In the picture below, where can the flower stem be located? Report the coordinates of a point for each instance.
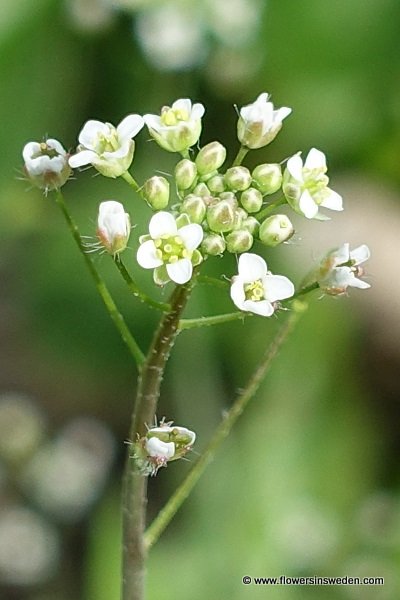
(306, 289)
(105, 295)
(240, 156)
(134, 496)
(270, 208)
(179, 496)
(214, 320)
(134, 288)
(131, 181)
(206, 279)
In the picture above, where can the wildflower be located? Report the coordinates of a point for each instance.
(341, 269)
(255, 289)
(113, 226)
(259, 123)
(170, 249)
(179, 127)
(109, 149)
(306, 186)
(46, 164)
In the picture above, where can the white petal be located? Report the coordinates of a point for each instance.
(360, 254)
(153, 122)
(147, 257)
(129, 127)
(237, 292)
(80, 159)
(307, 205)
(157, 448)
(358, 283)
(251, 267)
(277, 287)
(122, 151)
(191, 235)
(55, 145)
(315, 160)
(334, 201)
(181, 271)
(184, 104)
(90, 131)
(295, 167)
(162, 223)
(281, 114)
(29, 150)
(262, 308)
(197, 111)
(342, 254)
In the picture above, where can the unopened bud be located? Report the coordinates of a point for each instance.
(238, 178)
(216, 184)
(275, 230)
(268, 178)
(185, 174)
(251, 200)
(113, 226)
(156, 192)
(239, 241)
(46, 164)
(251, 224)
(221, 216)
(210, 158)
(240, 216)
(195, 207)
(213, 244)
(201, 189)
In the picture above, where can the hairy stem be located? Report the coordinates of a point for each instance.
(105, 295)
(213, 320)
(223, 429)
(134, 497)
(134, 288)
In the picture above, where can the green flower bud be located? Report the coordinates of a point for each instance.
(201, 189)
(251, 200)
(229, 197)
(156, 192)
(216, 184)
(275, 230)
(240, 216)
(213, 244)
(239, 241)
(185, 174)
(238, 178)
(268, 178)
(251, 224)
(210, 158)
(195, 207)
(221, 216)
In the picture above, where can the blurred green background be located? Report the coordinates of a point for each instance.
(308, 483)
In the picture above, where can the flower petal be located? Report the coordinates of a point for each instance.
(162, 223)
(180, 271)
(277, 287)
(153, 122)
(197, 111)
(85, 157)
(281, 114)
(360, 254)
(307, 205)
(129, 127)
(183, 104)
(191, 235)
(295, 167)
(359, 283)
(147, 257)
(237, 292)
(315, 160)
(341, 255)
(333, 201)
(55, 145)
(157, 448)
(262, 308)
(90, 132)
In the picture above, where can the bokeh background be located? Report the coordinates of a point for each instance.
(308, 483)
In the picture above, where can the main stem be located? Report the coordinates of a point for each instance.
(134, 498)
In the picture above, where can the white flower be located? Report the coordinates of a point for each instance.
(46, 164)
(109, 149)
(113, 226)
(259, 123)
(255, 289)
(158, 449)
(179, 127)
(341, 269)
(171, 248)
(306, 186)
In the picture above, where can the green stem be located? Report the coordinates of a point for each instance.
(240, 156)
(305, 290)
(134, 497)
(134, 288)
(179, 496)
(131, 181)
(270, 208)
(214, 320)
(105, 295)
(207, 280)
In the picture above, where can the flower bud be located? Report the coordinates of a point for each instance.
(195, 207)
(239, 241)
(259, 123)
(46, 164)
(213, 244)
(251, 200)
(216, 184)
(156, 192)
(229, 197)
(268, 178)
(240, 216)
(251, 224)
(201, 189)
(185, 174)
(275, 230)
(221, 216)
(210, 158)
(113, 226)
(238, 178)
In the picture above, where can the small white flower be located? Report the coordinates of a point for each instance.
(179, 127)
(170, 247)
(46, 164)
(255, 289)
(163, 451)
(259, 123)
(109, 149)
(306, 186)
(341, 269)
(113, 226)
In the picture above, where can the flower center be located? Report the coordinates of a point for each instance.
(45, 150)
(170, 249)
(172, 116)
(107, 142)
(316, 182)
(254, 291)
